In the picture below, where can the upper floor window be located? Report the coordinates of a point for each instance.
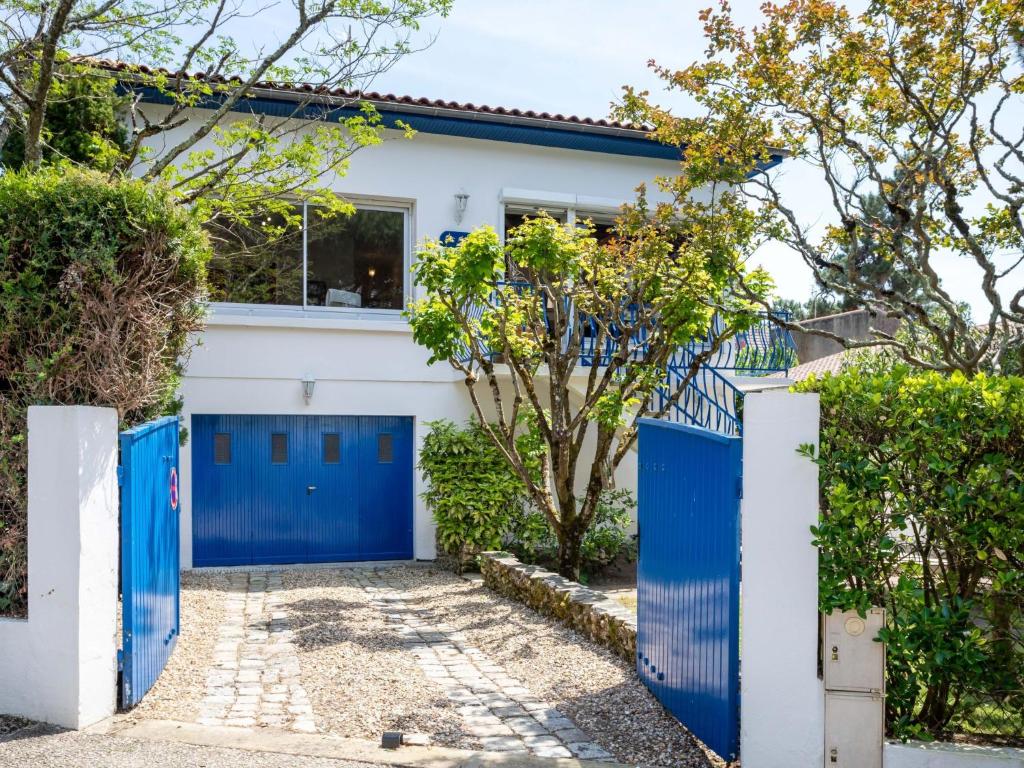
(602, 223)
(353, 262)
(517, 214)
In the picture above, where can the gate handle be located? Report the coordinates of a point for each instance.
(310, 489)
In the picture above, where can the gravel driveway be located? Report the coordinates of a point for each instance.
(360, 677)
(179, 691)
(361, 680)
(41, 746)
(358, 651)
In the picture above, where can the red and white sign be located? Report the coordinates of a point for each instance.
(174, 487)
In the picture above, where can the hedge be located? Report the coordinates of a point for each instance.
(922, 484)
(101, 284)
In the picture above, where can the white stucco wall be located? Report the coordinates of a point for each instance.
(941, 755)
(60, 665)
(253, 362)
(783, 698)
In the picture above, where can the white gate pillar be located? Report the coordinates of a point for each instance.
(60, 665)
(782, 698)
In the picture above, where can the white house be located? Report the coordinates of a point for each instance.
(307, 398)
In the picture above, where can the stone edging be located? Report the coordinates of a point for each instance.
(589, 612)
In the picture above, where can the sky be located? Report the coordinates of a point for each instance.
(574, 56)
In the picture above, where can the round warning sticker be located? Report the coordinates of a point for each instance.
(174, 487)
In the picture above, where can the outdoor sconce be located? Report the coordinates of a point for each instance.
(308, 385)
(461, 201)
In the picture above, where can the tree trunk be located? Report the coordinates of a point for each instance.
(41, 91)
(570, 552)
(935, 710)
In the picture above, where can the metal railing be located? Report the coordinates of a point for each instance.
(710, 399)
(763, 349)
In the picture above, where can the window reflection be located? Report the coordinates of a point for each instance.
(256, 262)
(356, 261)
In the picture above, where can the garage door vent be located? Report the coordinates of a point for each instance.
(332, 448)
(279, 448)
(385, 451)
(222, 448)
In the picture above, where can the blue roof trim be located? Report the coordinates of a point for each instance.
(447, 126)
(468, 128)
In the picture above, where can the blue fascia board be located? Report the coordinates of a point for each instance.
(468, 128)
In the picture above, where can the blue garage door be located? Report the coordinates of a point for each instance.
(301, 489)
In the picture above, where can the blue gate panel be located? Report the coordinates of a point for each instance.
(688, 577)
(301, 489)
(150, 614)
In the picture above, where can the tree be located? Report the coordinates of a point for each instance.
(909, 112)
(627, 308)
(48, 49)
(83, 126)
(819, 305)
(863, 260)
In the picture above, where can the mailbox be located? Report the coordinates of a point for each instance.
(854, 672)
(854, 734)
(853, 659)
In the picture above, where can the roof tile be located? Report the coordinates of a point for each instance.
(120, 66)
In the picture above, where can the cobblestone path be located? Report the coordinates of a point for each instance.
(254, 679)
(496, 708)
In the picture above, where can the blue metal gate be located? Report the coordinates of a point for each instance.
(148, 477)
(301, 489)
(688, 577)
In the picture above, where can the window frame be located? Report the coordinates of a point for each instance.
(574, 211)
(311, 310)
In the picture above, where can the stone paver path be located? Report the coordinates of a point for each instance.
(254, 679)
(497, 709)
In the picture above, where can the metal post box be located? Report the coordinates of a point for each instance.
(855, 730)
(854, 660)
(854, 676)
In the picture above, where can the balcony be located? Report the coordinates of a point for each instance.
(711, 399)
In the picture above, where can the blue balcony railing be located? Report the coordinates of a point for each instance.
(709, 399)
(765, 348)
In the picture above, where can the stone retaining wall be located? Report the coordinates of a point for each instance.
(603, 620)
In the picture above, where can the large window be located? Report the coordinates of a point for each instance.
(259, 262)
(339, 262)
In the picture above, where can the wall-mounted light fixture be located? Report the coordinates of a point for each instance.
(461, 201)
(372, 272)
(308, 385)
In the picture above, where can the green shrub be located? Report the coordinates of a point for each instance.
(480, 504)
(471, 490)
(533, 540)
(101, 284)
(922, 484)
